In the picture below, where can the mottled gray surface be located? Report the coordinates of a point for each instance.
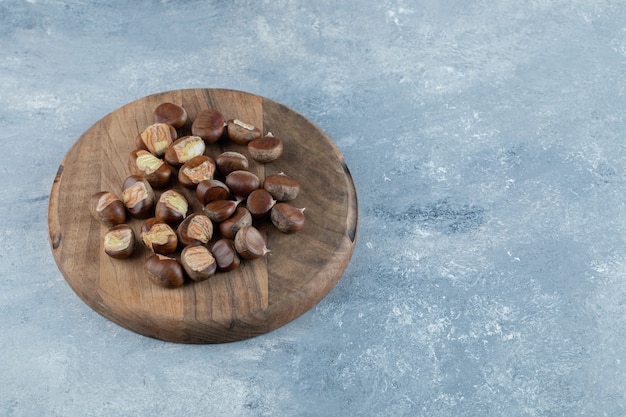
(486, 141)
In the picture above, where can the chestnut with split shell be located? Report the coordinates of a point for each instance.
(172, 207)
(198, 262)
(119, 241)
(241, 133)
(164, 271)
(196, 229)
(158, 236)
(156, 138)
(197, 169)
(145, 164)
(138, 196)
(107, 208)
(287, 218)
(209, 125)
(184, 149)
(170, 113)
(249, 243)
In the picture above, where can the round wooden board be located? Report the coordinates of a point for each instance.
(260, 295)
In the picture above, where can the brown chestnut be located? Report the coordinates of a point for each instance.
(196, 229)
(240, 218)
(230, 161)
(281, 186)
(220, 210)
(156, 138)
(138, 196)
(158, 236)
(249, 243)
(184, 149)
(240, 132)
(145, 164)
(107, 208)
(266, 149)
(259, 203)
(170, 113)
(197, 169)
(287, 218)
(164, 271)
(198, 262)
(172, 207)
(241, 183)
(225, 255)
(211, 190)
(209, 125)
(119, 241)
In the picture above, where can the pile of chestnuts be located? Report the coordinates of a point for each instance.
(184, 243)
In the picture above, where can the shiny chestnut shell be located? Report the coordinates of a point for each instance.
(209, 125)
(170, 113)
(211, 190)
(164, 271)
(225, 255)
(240, 218)
(287, 218)
(230, 161)
(242, 183)
(266, 149)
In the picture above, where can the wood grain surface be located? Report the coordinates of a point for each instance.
(260, 295)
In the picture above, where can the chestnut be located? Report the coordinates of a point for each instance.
(266, 149)
(197, 169)
(287, 218)
(196, 229)
(259, 203)
(198, 262)
(220, 210)
(170, 113)
(156, 138)
(225, 255)
(158, 236)
(145, 164)
(282, 186)
(230, 161)
(211, 190)
(209, 125)
(119, 241)
(240, 218)
(171, 208)
(107, 208)
(184, 149)
(138, 196)
(249, 243)
(164, 271)
(241, 183)
(241, 133)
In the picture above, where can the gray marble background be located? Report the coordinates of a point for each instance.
(486, 141)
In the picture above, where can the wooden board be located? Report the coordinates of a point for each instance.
(256, 298)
